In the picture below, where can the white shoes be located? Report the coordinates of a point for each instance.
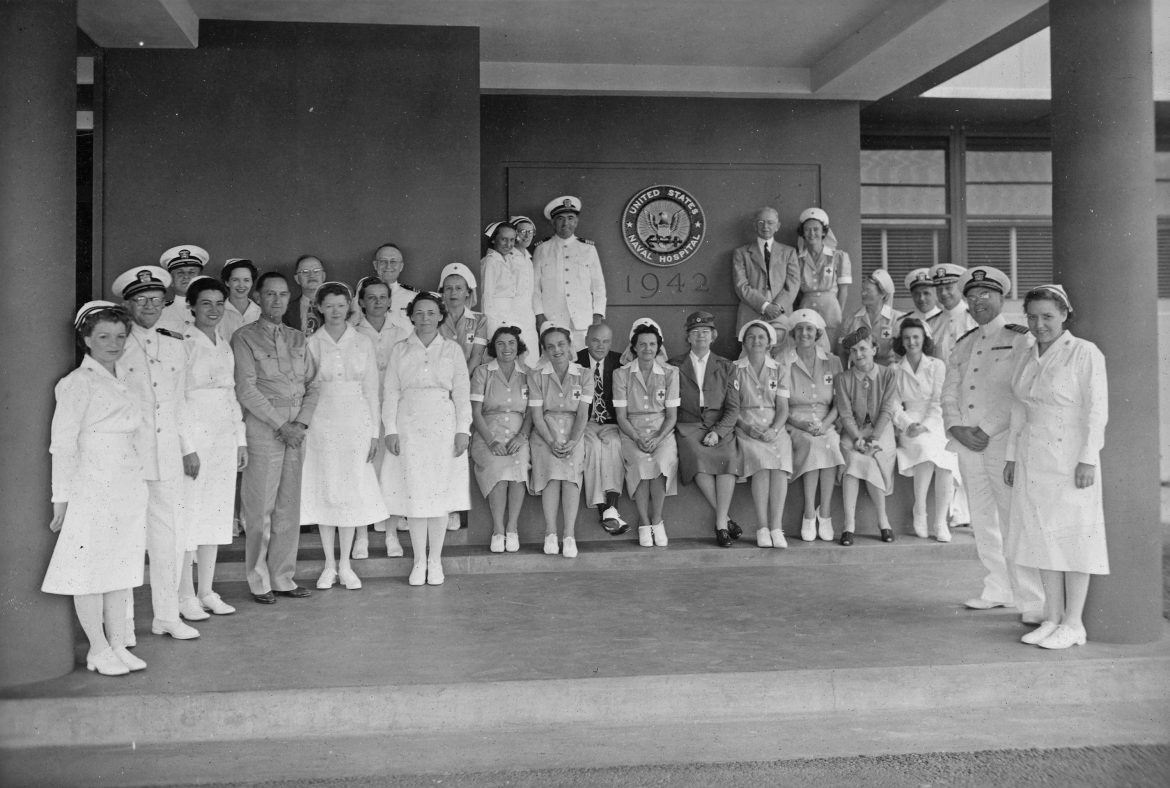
(1039, 633)
(418, 574)
(129, 660)
(176, 629)
(920, 527)
(497, 545)
(327, 579)
(192, 610)
(550, 545)
(106, 663)
(979, 603)
(453, 523)
(512, 543)
(944, 533)
(1064, 637)
(645, 536)
(778, 539)
(569, 547)
(658, 532)
(350, 580)
(825, 528)
(361, 549)
(393, 546)
(763, 538)
(808, 529)
(1032, 617)
(216, 605)
(435, 576)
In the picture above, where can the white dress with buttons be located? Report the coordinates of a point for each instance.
(503, 402)
(338, 485)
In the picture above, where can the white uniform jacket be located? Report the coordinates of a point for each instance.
(568, 285)
(155, 369)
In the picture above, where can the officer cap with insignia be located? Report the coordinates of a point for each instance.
(700, 319)
(140, 280)
(947, 273)
(564, 204)
(183, 254)
(988, 277)
(918, 278)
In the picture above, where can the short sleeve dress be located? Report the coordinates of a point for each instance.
(468, 331)
(862, 399)
(758, 397)
(820, 275)
(646, 400)
(919, 401)
(503, 403)
(882, 330)
(556, 401)
(506, 293)
(810, 394)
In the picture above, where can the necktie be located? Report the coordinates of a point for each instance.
(768, 261)
(600, 412)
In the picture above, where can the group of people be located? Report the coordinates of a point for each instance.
(373, 405)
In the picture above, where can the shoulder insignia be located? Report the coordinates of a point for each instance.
(1017, 328)
(585, 241)
(408, 287)
(969, 333)
(935, 316)
(166, 332)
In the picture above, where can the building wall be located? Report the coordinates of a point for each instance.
(274, 140)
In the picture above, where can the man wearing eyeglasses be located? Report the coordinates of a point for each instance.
(310, 275)
(154, 365)
(976, 405)
(388, 263)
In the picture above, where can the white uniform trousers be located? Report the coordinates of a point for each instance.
(989, 498)
(165, 546)
(604, 470)
(271, 502)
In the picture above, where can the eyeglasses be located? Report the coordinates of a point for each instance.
(144, 300)
(310, 271)
(981, 295)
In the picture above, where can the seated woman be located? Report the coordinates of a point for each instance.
(427, 413)
(876, 314)
(922, 441)
(865, 399)
(645, 397)
(1053, 459)
(499, 444)
(99, 491)
(559, 393)
(812, 418)
(765, 450)
(708, 411)
(339, 487)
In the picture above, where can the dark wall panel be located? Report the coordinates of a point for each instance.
(274, 140)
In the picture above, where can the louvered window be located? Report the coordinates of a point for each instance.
(1022, 251)
(1164, 257)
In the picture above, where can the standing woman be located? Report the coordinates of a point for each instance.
(559, 393)
(239, 309)
(646, 400)
(812, 418)
(339, 488)
(866, 401)
(99, 492)
(922, 442)
(375, 323)
(507, 283)
(876, 315)
(525, 232)
(215, 432)
(825, 271)
(1053, 459)
(765, 450)
(499, 445)
(427, 413)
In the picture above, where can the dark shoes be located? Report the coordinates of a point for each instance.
(733, 529)
(846, 538)
(887, 535)
(296, 592)
(723, 537)
(267, 598)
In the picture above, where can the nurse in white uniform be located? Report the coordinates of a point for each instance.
(506, 284)
(99, 493)
(215, 429)
(339, 488)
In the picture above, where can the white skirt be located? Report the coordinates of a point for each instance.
(426, 479)
(206, 502)
(338, 486)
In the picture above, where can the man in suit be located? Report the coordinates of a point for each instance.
(310, 275)
(568, 286)
(707, 449)
(603, 443)
(766, 272)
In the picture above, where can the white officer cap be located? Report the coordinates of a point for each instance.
(986, 276)
(946, 273)
(564, 204)
(139, 280)
(184, 254)
(919, 276)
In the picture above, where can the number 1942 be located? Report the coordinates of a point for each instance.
(651, 284)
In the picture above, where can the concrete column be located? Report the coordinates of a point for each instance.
(1104, 253)
(38, 195)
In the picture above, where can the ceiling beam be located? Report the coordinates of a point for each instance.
(643, 80)
(161, 24)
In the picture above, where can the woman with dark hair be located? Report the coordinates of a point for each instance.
(239, 309)
(218, 450)
(1053, 456)
(646, 400)
(339, 488)
(765, 450)
(99, 491)
(865, 400)
(559, 393)
(427, 414)
(499, 445)
(375, 322)
(812, 423)
(507, 282)
(922, 440)
(825, 272)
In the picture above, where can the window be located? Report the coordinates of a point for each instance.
(905, 224)
(1162, 208)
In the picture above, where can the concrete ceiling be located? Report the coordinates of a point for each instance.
(834, 49)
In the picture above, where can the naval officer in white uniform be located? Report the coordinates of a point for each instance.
(183, 262)
(568, 285)
(976, 404)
